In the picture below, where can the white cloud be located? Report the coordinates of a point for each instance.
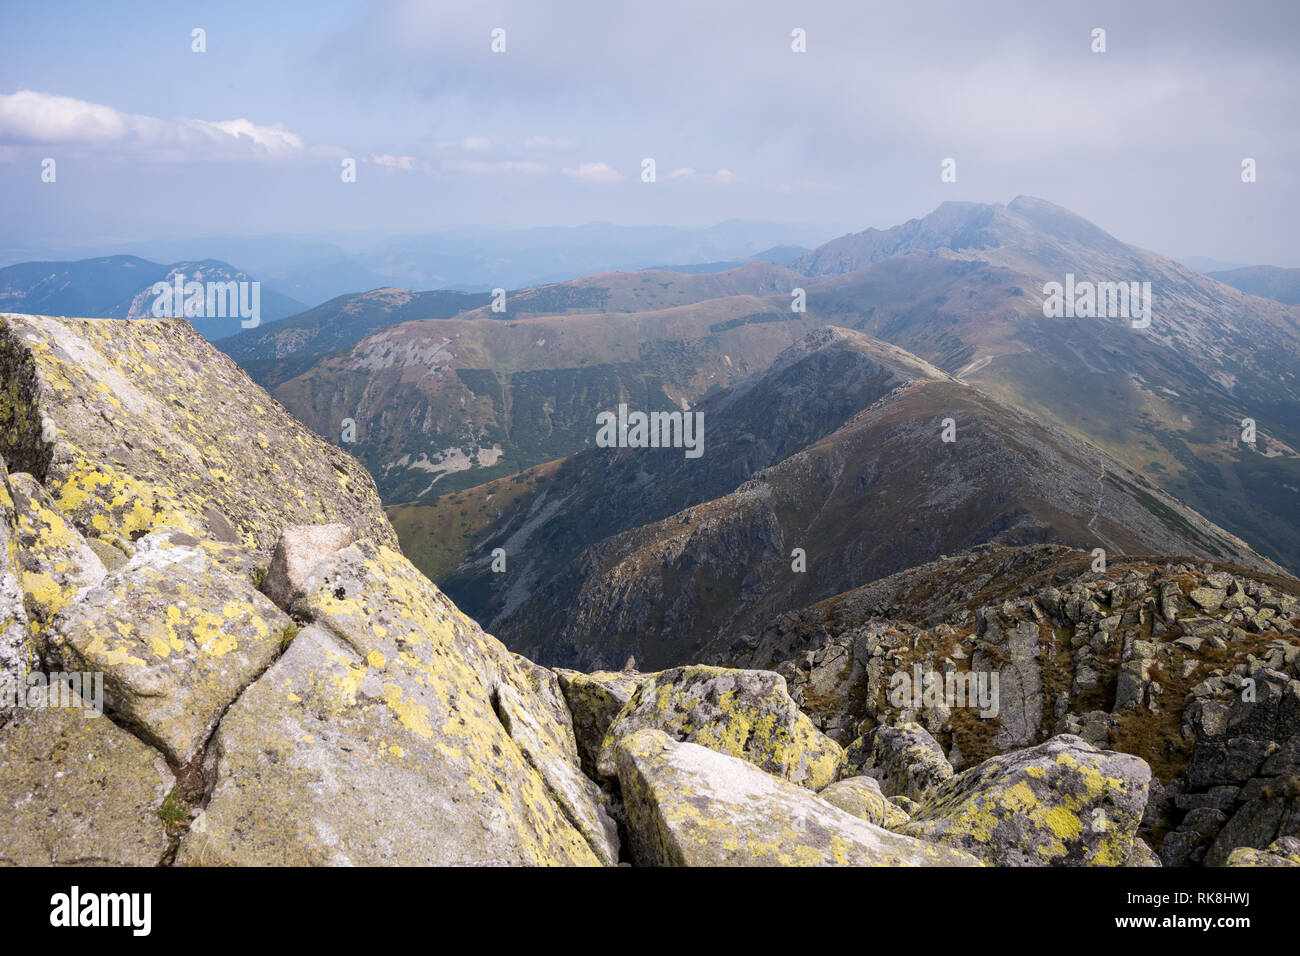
(32, 117)
(476, 144)
(595, 173)
(276, 140)
(686, 174)
(43, 118)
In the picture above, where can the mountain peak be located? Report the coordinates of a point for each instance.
(1026, 231)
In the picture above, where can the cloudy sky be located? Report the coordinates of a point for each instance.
(153, 140)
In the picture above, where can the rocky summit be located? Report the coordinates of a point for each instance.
(214, 653)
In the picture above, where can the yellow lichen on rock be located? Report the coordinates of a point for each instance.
(454, 747)
(177, 638)
(16, 649)
(55, 563)
(861, 796)
(77, 789)
(1062, 803)
(133, 425)
(689, 805)
(745, 714)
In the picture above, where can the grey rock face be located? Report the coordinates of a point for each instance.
(691, 806)
(177, 640)
(1061, 803)
(905, 760)
(746, 714)
(299, 550)
(861, 797)
(78, 790)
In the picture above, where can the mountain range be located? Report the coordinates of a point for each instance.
(475, 414)
(442, 404)
(836, 450)
(1271, 282)
(315, 269)
(121, 287)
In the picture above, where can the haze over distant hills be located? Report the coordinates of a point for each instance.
(315, 270)
(120, 287)
(445, 403)
(1272, 282)
(447, 393)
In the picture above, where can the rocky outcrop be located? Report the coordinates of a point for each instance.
(16, 652)
(176, 638)
(140, 424)
(375, 725)
(78, 790)
(1127, 660)
(1242, 787)
(1062, 803)
(1282, 852)
(688, 805)
(54, 560)
(298, 551)
(594, 700)
(905, 760)
(745, 714)
(861, 797)
(396, 726)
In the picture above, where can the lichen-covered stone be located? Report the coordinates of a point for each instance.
(1284, 851)
(300, 549)
(1142, 855)
(861, 797)
(745, 714)
(1061, 803)
(177, 639)
(1208, 599)
(594, 700)
(133, 425)
(78, 790)
(15, 649)
(237, 560)
(54, 561)
(906, 760)
(548, 747)
(1271, 811)
(906, 804)
(376, 739)
(689, 805)
(545, 683)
